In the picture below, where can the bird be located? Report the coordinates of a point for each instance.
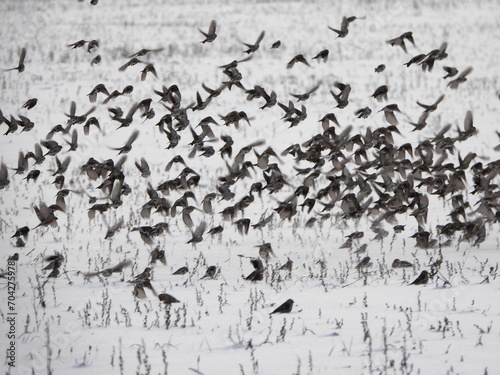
(401, 264)
(92, 45)
(389, 113)
(363, 112)
(380, 93)
(210, 35)
(297, 58)
(344, 27)
(128, 146)
(284, 308)
(322, 55)
(276, 44)
(20, 67)
(431, 107)
(110, 270)
(251, 48)
(148, 68)
(462, 77)
(450, 71)
(265, 251)
(400, 40)
(96, 60)
(55, 261)
(99, 88)
(211, 272)
(30, 103)
(143, 168)
(45, 215)
(342, 98)
(144, 275)
(415, 59)
(422, 279)
(113, 229)
(364, 263)
(77, 44)
(380, 68)
(305, 96)
(133, 61)
(197, 234)
(258, 272)
(167, 299)
(181, 271)
(144, 51)
(23, 231)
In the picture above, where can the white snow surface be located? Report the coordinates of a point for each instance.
(342, 321)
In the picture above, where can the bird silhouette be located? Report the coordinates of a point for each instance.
(20, 67)
(422, 279)
(167, 299)
(251, 48)
(210, 35)
(128, 146)
(284, 308)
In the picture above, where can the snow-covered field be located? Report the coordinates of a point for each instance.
(345, 319)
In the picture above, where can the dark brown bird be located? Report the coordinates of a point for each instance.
(198, 233)
(181, 271)
(462, 77)
(99, 88)
(344, 27)
(210, 35)
(45, 215)
(381, 93)
(322, 55)
(23, 231)
(143, 167)
(167, 299)
(78, 44)
(20, 67)
(389, 113)
(92, 45)
(450, 71)
(305, 96)
(145, 51)
(96, 60)
(258, 272)
(401, 264)
(276, 44)
(133, 61)
(30, 103)
(211, 272)
(109, 271)
(422, 279)
(285, 308)
(364, 264)
(400, 40)
(149, 68)
(431, 107)
(296, 59)
(128, 146)
(415, 59)
(363, 112)
(254, 47)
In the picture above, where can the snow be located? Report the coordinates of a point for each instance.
(343, 321)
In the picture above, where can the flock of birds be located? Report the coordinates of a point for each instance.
(367, 174)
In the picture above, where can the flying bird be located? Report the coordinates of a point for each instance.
(128, 146)
(254, 47)
(20, 67)
(210, 35)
